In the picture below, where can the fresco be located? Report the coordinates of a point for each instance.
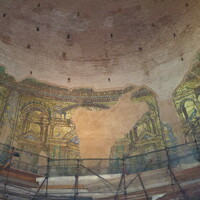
(148, 134)
(8, 108)
(187, 102)
(37, 117)
(45, 128)
(4, 92)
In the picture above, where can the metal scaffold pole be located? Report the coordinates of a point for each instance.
(144, 189)
(76, 180)
(46, 179)
(193, 132)
(103, 179)
(122, 180)
(172, 175)
(8, 165)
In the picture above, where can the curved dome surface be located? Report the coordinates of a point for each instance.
(99, 43)
(100, 82)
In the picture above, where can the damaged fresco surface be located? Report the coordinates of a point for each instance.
(38, 117)
(187, 102)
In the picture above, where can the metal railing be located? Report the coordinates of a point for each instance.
(30, 162)
(169, 158)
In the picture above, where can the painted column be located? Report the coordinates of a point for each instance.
(9, 118)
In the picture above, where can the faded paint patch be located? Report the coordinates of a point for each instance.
(98, 130)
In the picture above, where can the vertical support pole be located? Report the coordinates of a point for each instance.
(76, 180)
(124, 176)
(47, 178)
(40, 186)
(119, 187)
(144, 189)
(185, 197)
(122, 181)
(9, 165)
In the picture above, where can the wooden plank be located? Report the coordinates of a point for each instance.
(18, 174)
(64, 187)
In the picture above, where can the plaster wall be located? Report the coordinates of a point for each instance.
(98, 130)
(130, 42)
(83, 123)
(72, 63)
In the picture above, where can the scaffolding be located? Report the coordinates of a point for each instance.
(129, 169)
(168, 158)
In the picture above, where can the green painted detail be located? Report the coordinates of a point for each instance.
(45, 125)
(35, 88)
(148, 133)
(2, 69)
(197, 58)
(187, 102)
